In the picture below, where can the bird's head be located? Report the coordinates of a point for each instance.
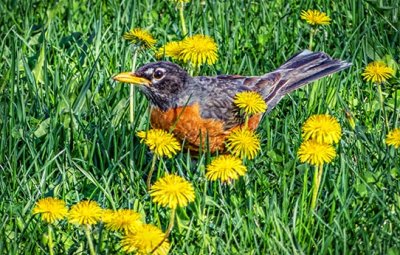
(161, 82)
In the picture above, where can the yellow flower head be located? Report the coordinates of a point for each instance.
(122, 219)
(323, 128)
(172, 191)
(243, 143)
(145, 240)
(315, 17)
(171, 49)
(51, 209)
(85, 213)
(160, 142)
(106, 215)
(251, 102)
(198, 50)
(140, 37)
(316, 153)
(225, 168)
(378, 72)
(393, 138)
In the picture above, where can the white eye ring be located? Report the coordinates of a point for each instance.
(158, 74)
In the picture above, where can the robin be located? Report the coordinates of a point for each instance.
(196, 108)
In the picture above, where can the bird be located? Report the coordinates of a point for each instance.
(200, 111)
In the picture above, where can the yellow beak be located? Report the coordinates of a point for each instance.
(129, 77)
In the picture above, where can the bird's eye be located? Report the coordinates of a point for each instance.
(158, 74)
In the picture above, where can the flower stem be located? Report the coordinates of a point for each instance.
(132, 91)
(380, 94)
(316, 183)
(169, 229)
(312, 33)
(50, 242)
(246, 121)
(381, 102)
(89, 240)
(196, 70)
(153, 167)
(183, 23)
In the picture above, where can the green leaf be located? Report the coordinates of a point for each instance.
(274, 156)
(361, 189)
(43, 128)
(38, 69)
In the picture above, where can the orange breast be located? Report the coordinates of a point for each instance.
(189, 127)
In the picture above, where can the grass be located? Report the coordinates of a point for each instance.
(65, 128)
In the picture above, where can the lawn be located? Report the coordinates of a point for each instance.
(68, 132)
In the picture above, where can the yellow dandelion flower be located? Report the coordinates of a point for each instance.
(172, 191)
(323, 128)
(377, 72)
(85, 213)
(315, 17)
(251, 102)
(140, 37)
(145, 240)
(316, 153)
(198, 50)
(243, 143)
(225, 168)
(160, 142)
(393, 138)
(51, 209)
(122, 219)
(106, 215)
(171, 49)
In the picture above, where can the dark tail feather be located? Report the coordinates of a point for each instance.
(300, 70)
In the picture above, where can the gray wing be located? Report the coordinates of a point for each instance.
(215, 95)
(216, 98)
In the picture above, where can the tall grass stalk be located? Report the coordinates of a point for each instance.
(182, 17)
(132, 89)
